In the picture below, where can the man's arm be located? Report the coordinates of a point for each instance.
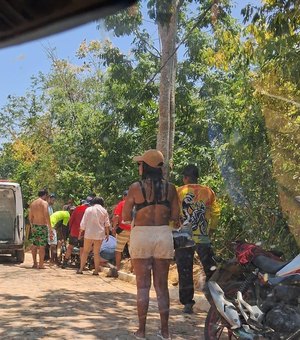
(30, 215)
(82, 225)
(116, 220)
(214, 215)
(66, 221)
(107, 226)
(174, 218)
(47, 216)
(129, 204)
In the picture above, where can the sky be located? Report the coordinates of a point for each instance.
(19, 63)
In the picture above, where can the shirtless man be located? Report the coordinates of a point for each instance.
(39, 227)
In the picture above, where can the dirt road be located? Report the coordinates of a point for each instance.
(58, 304)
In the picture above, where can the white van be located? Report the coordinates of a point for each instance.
(12, 226)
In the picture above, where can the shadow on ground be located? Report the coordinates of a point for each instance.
(68, 314)
(56, 314)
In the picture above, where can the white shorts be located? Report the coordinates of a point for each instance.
(53, 239)
(151, 241)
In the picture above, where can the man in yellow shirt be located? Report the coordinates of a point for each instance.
(199, 213)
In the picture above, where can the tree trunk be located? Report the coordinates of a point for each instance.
(167, 32)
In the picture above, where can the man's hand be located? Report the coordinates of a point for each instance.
(80, 235)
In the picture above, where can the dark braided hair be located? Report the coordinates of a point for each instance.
(156, 176)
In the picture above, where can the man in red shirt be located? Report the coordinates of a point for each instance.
(74, 225)
(122, 230)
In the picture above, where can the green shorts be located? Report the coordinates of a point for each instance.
(39, 235)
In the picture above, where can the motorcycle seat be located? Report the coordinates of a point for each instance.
(267, 264)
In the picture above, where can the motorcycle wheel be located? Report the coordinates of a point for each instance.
(216, 327)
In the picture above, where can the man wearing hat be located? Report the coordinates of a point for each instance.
(199, 212)
(121, 229)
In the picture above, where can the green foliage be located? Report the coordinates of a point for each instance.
(125, 22)
(78, 127)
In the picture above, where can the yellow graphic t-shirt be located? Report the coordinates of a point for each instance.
(199, 210)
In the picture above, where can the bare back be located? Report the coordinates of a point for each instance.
(155, 214)
(38, 213)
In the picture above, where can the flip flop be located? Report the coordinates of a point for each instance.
(79, 272)
(95, 273)
(137, 337)
(160, 336)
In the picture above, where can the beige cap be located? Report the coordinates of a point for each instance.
(152, 157)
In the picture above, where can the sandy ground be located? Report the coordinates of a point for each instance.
(58, 304)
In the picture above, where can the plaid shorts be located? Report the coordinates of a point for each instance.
(122, 239)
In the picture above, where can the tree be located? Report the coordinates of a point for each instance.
(274, 41)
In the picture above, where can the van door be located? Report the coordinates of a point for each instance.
(7, 215)
(20, 223)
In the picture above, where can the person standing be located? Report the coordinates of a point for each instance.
(121, 229)
(52, 239)
(51, 203)
(199, 216)
(95, 225)
(151, 243)
(40, 226)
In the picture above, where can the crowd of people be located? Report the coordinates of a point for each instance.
(145, 219)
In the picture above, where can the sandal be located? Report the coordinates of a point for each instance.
(79, 272)
(94, 273)
(160, 336)
(137, 337)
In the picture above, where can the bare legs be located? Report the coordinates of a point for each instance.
(53, 253)
(69, 252)
(41, 257)
(160, 279)
(34, 256)
(34, 251)
(160, 268)
(143, 282)
(87, 247)
(118, 256)
(96, 250)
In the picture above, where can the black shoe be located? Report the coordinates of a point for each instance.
(188, 309)
(112, 273)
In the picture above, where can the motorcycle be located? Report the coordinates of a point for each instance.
(254, 296)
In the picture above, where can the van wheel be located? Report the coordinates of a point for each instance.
(20, 254)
